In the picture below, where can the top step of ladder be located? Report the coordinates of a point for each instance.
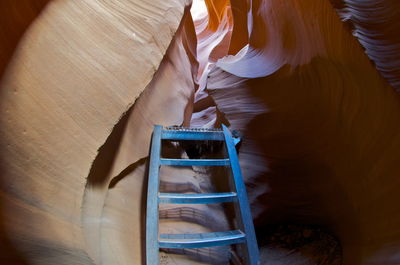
(200, 134)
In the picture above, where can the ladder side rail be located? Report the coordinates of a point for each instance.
(252, 252)
(242, 248)
(152, 245)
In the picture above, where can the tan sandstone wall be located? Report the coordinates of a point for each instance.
(320, 124)
(87, 82)
(79, 67)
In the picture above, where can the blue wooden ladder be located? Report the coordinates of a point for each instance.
(243, 235)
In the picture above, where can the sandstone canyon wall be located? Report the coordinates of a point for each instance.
(309, 102)
(318, 113)
(75, 74)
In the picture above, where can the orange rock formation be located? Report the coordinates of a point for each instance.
(310, 84)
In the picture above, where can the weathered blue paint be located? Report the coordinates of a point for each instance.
(197, 197)
(251, 249)
(236, 140)
(194, 162)
(152, 245)
(246, 233)
(201, 240)
(193, 135)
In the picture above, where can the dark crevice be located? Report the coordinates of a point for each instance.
(127, 171)
(102, 165)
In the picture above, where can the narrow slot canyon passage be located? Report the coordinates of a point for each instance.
(310, 86)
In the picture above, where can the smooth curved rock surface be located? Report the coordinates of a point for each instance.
(15, 17)
(312, 106)
(88, 80)
(79, 67)
(376, 24)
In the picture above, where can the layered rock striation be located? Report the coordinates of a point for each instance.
(312, 95)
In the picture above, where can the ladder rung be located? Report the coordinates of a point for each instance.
(197, 197)
(201, 240)
(192, 129)
(193, 135)
(194, 162)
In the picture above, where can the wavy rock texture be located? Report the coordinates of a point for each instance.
(213, 24)
(376, 24)
(79, 67)
(312, 106)
(15, 18)
(88, 80)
